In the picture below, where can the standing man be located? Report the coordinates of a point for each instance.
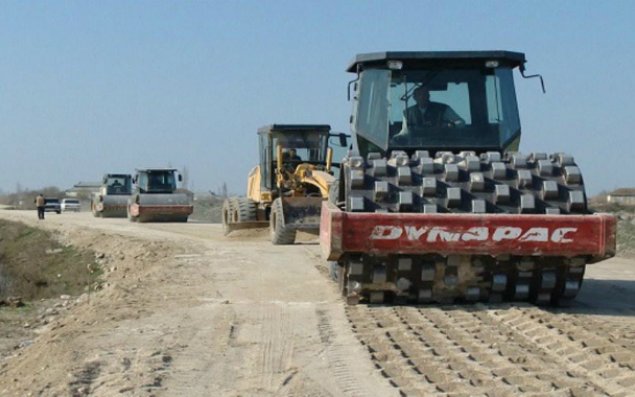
(40, 203)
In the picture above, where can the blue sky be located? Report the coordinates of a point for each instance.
(90, 87)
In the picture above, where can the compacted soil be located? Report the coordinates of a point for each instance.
(182, 310)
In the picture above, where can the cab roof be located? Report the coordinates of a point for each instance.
(267, 129)
(157, 169)
(117, 176)
(422, 59)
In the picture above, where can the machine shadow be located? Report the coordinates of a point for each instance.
(597, 297)
(602, 297)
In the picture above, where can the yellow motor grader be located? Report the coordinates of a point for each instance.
(286, 189)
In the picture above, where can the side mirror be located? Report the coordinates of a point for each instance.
(134, 179)
(354, 84)
(343, 140)
(180, 178)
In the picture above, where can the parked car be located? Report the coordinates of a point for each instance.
(52, 205)
(70, 204)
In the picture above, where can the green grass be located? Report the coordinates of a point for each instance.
(33, 265)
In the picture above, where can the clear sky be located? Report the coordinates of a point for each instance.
(88, 87)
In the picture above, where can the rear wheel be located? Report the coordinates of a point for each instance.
(334, 270)
(340, 274)
(228, 215)
(96, 213)
(245, 210)
(280, 234)
(131, 218)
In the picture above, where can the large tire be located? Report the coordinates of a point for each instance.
(334, 269)
(280, 234)
(129, 215)
(246, 210)
(133, 199)
(227, 215)
(96, 213)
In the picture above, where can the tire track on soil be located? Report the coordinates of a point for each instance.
(478, 350)
(277, 347)
(606, 364)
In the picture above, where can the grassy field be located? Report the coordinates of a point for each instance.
(33, 268)
(33, 265)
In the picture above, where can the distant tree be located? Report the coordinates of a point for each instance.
(186, 177)
(51, 191)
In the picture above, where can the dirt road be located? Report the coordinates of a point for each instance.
(185, 311)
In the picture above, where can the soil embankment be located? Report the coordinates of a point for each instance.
(35, 265)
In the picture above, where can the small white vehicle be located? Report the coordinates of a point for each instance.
(52, 204)
(70, 204)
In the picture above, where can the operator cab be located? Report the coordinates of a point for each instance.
(300, 143)
(117, 184)
(458, 100)
(157, 180)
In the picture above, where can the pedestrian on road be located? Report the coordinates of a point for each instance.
(40, 203)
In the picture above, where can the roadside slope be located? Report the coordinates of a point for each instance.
(186, 311)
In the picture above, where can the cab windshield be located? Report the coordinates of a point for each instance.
(437, 109)
(118, 185)
(157, 181)
(300, 147)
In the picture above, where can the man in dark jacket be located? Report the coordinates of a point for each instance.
(427, 114)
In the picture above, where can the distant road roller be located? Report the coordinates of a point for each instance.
(155, 197)
(112, 199)
(285, 191)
